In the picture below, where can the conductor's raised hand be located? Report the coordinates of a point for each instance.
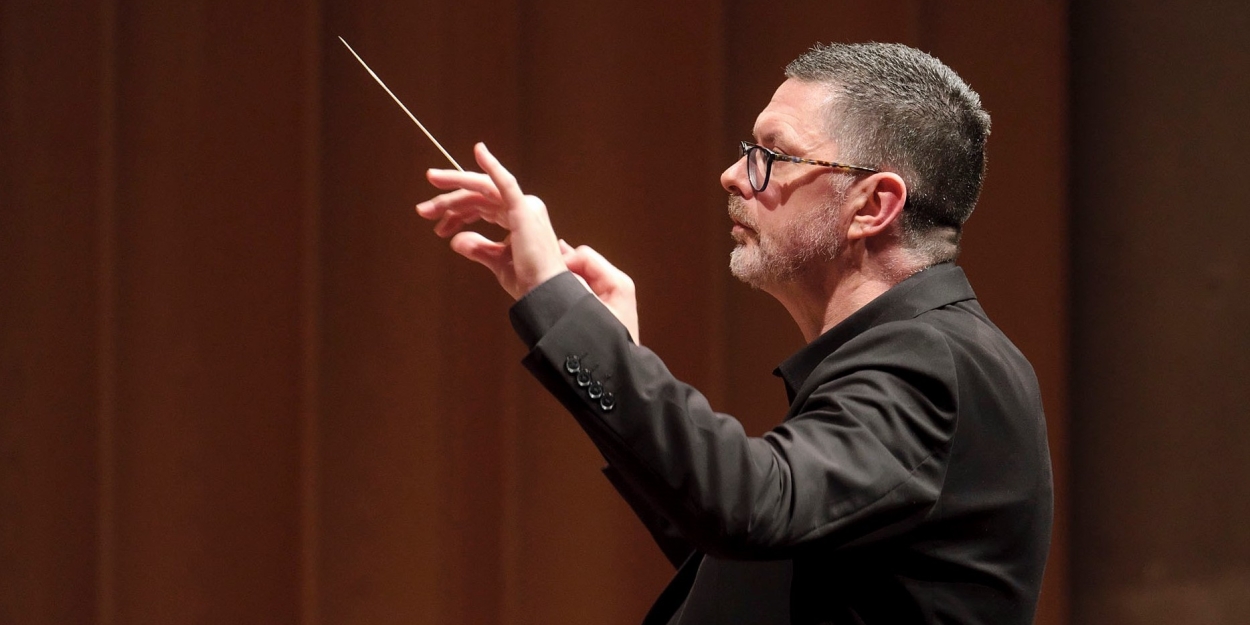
(528, 256)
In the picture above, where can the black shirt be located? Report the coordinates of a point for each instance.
(909, 482)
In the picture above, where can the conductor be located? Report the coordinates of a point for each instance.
(909, 481)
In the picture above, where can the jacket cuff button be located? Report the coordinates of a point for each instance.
(583, 378)
(595, 391)
(607, 402)
(572, 364)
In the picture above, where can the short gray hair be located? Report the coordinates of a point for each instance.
(898, 109)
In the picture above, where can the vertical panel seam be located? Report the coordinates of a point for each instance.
(718, 137)
(106, 363)
(310, 324)
(508, 528)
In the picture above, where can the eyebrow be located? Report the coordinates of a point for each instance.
(777, 140)
(767, 139)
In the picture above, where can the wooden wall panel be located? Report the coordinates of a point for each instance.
(415, 387)
(209, 142)
(49, 175)
(382, 482)
(298, 404)
(1160, 427)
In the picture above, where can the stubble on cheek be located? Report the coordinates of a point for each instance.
(760, 259)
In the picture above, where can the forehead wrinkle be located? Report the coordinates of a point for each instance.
(798, 123)
(769, 136)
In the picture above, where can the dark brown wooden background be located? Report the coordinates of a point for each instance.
(240, 382)
(1161, 310)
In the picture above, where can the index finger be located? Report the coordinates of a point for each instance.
(468, 180)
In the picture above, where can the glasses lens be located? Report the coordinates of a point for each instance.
(757, 166)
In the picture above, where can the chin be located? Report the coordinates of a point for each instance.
(746, 265)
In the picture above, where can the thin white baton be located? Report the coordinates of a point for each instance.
(401, 105)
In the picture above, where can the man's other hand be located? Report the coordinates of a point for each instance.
(612, 286)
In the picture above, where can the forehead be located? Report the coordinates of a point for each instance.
(796, 116)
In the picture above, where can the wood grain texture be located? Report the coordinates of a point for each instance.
(49, 167)
(243, 382)
(1161, 344)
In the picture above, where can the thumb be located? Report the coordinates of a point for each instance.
(612, 286)
(600, 275)
(479, 249)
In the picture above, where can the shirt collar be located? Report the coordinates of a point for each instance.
(926, 290)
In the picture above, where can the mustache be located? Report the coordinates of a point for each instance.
(738, 211)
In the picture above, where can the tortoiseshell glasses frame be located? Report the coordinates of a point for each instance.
(759, 156)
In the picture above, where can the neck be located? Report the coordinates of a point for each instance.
(823, 297)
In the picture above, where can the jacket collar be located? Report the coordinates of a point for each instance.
(937, 286)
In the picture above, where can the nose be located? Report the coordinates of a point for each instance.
(734, 179)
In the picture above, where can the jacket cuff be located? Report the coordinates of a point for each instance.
(538, 311)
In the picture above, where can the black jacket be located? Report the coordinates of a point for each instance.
(909, 482)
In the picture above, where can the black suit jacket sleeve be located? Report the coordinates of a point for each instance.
(533, 316)
(861, 455)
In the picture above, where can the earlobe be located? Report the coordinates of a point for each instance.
(882, 205)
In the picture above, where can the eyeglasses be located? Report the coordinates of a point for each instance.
(760, 164)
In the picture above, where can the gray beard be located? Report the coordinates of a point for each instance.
(811, 239)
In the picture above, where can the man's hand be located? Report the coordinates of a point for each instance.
(528, 256)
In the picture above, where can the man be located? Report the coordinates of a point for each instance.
(910, 480)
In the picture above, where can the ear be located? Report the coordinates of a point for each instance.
(885, 193)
